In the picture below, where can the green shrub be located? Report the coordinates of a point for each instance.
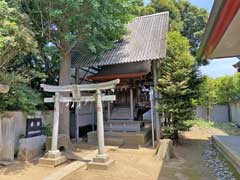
(46, 129)
(167, 133)
(20, 96)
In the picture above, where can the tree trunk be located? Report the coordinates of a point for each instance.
(208, 114)
(229, 112)
(65, 79)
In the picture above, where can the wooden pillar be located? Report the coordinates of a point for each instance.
(156, 99)
(100, 127)
(77, 76)
(93, 115)
(109, 111)
(131, 103)
(152, 113)
(54, 147)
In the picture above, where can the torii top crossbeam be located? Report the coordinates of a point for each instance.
(83, 87)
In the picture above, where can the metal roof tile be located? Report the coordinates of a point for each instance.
(146, 41)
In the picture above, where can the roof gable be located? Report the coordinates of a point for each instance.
(146, 41)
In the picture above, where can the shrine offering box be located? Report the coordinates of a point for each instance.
(33, 127)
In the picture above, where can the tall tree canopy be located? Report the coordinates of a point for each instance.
(16, 40)
(16, 36)
(186, 18)
(207, 94)
(86, 25)
(221, 90)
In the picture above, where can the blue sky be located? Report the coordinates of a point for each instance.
(216, 67)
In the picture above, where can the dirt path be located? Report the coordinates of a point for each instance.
(133, 164)
(130, 164)
(25, 171)
(189, 164)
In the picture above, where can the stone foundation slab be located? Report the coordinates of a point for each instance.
(30, 148)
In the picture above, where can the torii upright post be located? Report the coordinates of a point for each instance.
(54, 157)
(100, 128)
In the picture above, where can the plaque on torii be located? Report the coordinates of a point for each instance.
(53, 157)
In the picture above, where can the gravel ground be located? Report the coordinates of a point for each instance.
(215, 161)
(197, 159)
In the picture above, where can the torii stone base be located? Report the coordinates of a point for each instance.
(52, 159)
(101, 163)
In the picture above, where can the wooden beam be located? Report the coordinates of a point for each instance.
(131, 103)
(83, 87)
(87, 70)
(4, 88)
(109, 111)
(152, 114)
(156, 99)
(83, 99)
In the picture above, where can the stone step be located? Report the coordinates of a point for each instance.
(120, 117)
(112, 141)
(124, 110)
(65, 171)
(119, 110)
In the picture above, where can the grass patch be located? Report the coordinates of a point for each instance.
(200, 123)
(229, 128)
(192, 174)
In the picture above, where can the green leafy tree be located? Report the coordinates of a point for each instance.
(178, 85)
(194, 22)
(186, 18)
(226, 89)
(136, 7)
(176, 23)
(16, 36)
(16, 40)
(87, 25)
(208, 95)
(236, 81)
(21, 96)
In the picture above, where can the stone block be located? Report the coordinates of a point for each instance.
(102, 159)
(100, 165)
(7, 138)
(52, 162)
(165, 150)
(30, 148)
(120, 138)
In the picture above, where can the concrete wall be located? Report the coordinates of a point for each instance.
(221, 113)
(218, 113)
(235, 112)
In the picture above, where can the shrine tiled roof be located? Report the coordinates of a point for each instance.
(146, 41)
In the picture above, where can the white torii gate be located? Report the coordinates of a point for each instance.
(76, 97)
